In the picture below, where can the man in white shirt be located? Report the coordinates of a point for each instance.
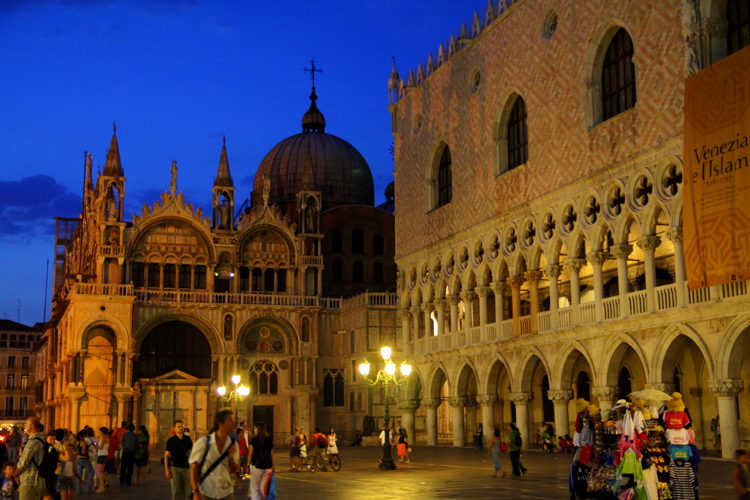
(211, 470)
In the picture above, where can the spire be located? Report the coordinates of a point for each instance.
(113, 167)
(394, 84)
(223, 177)
(313, 120)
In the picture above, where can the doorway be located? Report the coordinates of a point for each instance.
(264, 414)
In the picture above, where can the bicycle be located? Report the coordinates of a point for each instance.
(331, 460)
(303, 460)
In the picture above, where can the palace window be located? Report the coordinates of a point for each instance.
(25, 362)
(738, 25)
(264, 378)
(357, 272)
(358, 241)
(378, 272)
(377, 244)
(138, 272)
(518, 138)
(333, 387)
(618, 76)
(184, 279)
(444, 178)
(200, 278)
(154, 275)
(336, 270)
(169, 276)
(337, 242)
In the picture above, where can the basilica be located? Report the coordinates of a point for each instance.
(288, 291)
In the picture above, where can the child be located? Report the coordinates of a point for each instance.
(8, 483)
(741, 474)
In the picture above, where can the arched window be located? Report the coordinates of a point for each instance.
(337, 242)
(377, 244)
(333, 387)
(624, 384)
(444, 178)
(738, 25)
(154, 275)
(358, 272)
(378, 272)
(548, 409)
(517, 135)
(264, 378)
(174, 345)
(358, 241)
(618, 76)
(336, 270)
(138, 273)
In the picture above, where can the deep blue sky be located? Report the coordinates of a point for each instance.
(176, 75)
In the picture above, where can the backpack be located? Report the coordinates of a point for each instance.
(46, 468)
(517, 440)
(322, 441)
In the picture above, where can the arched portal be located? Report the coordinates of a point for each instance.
(174, 345)
(464, 409)
(98, 408)
(499, 386)
(438, 420)
(535, 380)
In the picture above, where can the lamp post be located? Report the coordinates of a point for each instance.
(239, 392)
(386, 377)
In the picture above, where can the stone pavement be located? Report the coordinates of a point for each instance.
(435, 473)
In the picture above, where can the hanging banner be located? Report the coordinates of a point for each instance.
(716, 203)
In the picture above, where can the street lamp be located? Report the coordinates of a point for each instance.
(386, 377)
(239, 392)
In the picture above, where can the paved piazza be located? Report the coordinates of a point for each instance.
(434, 473)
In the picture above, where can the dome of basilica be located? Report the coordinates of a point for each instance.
(314, 160)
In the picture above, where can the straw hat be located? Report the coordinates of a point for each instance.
(676, 403)
(581, 404)
(594, 410)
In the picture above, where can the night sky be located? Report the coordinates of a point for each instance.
(176, 75)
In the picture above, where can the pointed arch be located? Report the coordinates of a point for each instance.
(525, 368)
(438, 375)
(214, 337)
(566, 361)
(463, 377)
(618, 346)
(734, 343)
(121, 338)
(493, 371)
(511, 132)
(667, 340)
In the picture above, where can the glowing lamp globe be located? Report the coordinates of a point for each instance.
(390, 368)
(221, 391)
(235, 379)
(385, 352)
(243, 390)
(405, 369)
(364, 369)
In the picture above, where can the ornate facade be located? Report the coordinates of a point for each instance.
(539, 180)
(154, 313)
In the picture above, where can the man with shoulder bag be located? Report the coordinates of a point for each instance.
(214, 460)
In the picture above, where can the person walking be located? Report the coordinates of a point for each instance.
(741, 474)
(176, 465)
(494, 451)
(13, 444)
(102, 456)
(260, 452)
(68, 476)
(403, 447)
(213, 461)
(128, 447)
(244, 447)
(141, 454)
(83, 465)
(515, 444)
(33, 486)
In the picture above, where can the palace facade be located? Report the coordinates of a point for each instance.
(539, 220)
(289, 291)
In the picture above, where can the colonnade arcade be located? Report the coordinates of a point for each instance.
(533, 385)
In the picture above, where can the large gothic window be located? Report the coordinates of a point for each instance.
(618, 76)
(444, 178)
(518, 138)
(738, 25)
(174, 345)
(333, 387)
(264, 378)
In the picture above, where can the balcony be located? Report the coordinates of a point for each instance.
(112, 250)
(15, 414)
(637, 303)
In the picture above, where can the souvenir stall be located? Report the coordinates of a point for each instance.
(633, 453)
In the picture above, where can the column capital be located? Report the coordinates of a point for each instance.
(648, 242)
(467, 295)
(675, 235)
(453, 299)
(516, 281)
(408, 404)
(660, 386)
(575, 264)
(563, 395)
(440, 302)
(431, 402)
(497, 286)
(727, 387)
(533, 277)
(521, 398)
(404, 313)
(482, 290)
(459, 402)
(598, 257)
(414, 309)
(553, 271)
(426, 306)
(603, 393)
(487, 399)
(621, 251)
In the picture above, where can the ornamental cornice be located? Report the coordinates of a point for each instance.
(265, 215)
(171, 204)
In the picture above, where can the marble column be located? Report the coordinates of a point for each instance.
(649, 244)
(597, 260)
(468, 297)
(521, 401)
(457, 410)
(533, 277)
(574, 267)
(497, 289)
(560, 399)
(453, 302)
(726, 396)
(675, 236)
(487, 403)
(482, 292)
(606, 397)
(431, 424)
(440, 306)
(515, 290)
(553, 273)
(405, 316)
(426, 313)
(415, 322)
(621, 253)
